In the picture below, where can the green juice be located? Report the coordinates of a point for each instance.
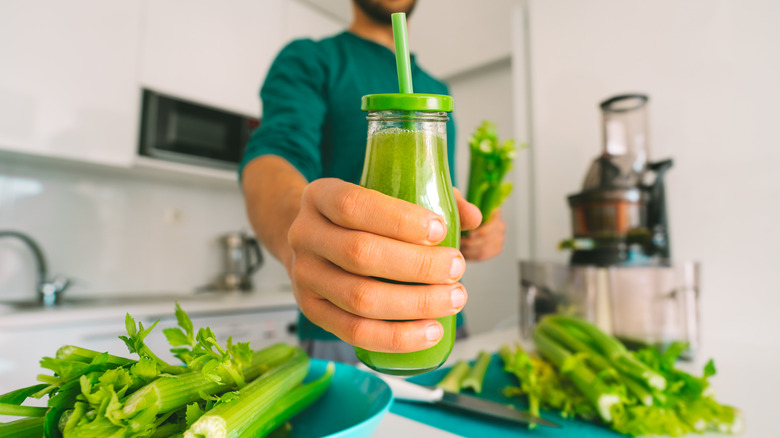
(412, 165)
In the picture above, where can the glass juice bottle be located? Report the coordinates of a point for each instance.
(406, 157)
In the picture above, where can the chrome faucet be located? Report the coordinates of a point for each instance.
(49, 291)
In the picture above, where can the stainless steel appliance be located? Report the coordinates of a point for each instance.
(620, 274)
(242, 257)
(641, 305)
(619, 218)
(187, 132)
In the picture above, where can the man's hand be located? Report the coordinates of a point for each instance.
(346, 238)
(338, 239)
(485, 242)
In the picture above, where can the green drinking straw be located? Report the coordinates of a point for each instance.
(402, 63)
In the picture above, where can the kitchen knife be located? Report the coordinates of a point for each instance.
(408, 391)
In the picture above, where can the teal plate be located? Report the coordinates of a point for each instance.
(352, 407)
(479, 426)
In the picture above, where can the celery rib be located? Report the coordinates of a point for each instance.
(476, 375)
(79, 354)
(22, 411)
(593, 357)
(291, 404)
(615, 352)
(489, 162)
(171, 392)
(232, 419)
(453, 380)
(582, 377)
(24, 428)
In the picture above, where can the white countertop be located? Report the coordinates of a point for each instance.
(747, 378)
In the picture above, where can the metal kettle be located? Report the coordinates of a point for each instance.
(242, 257)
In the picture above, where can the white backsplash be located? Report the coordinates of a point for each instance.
(117, 231)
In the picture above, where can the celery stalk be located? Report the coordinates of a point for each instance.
(234, 418)
(490, 160)
(167, 393)
(476, 375)
(291, 404)
(606, 403)
(24, 428)
(21, 411)
(171, 392)
(616, 352)
(588, 373)
(594, 358)
(453, 380)
(71, 352)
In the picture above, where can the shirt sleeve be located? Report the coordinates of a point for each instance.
(293, 110)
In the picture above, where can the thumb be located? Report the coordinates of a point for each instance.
(470, 216)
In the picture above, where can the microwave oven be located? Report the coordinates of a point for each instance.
(187, 132)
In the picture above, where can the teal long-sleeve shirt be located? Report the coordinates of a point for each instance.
(311, 111)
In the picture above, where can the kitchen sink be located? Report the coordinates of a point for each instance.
(20, 305)
(107, 300)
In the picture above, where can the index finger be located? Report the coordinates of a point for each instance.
(351, 206)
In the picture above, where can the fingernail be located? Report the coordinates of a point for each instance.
(433, 332)
(457, 268)
(458, 297)
(436, 230)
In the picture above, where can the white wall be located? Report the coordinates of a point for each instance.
(117, 231)
(453, 36)
(712, 71)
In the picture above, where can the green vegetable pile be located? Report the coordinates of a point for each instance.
(219, 391)
(490, 161)
(583, 372)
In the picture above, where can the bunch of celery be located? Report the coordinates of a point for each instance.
(490, 161)
(586, 373)
(225, 391)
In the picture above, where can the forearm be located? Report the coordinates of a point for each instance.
(272, 192)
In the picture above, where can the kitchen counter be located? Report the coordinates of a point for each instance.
(746, 378)
(147, 305)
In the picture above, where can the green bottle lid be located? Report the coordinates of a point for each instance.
(407, 102)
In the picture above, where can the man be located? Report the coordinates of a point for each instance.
(335, 238)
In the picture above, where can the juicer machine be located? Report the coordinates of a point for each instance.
(619, 218)
(620, 274)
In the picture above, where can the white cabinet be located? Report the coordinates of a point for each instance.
(68, 78)
(219, 54)
(71, 72)
(212, 53)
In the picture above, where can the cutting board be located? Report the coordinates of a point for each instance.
(476, 426)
